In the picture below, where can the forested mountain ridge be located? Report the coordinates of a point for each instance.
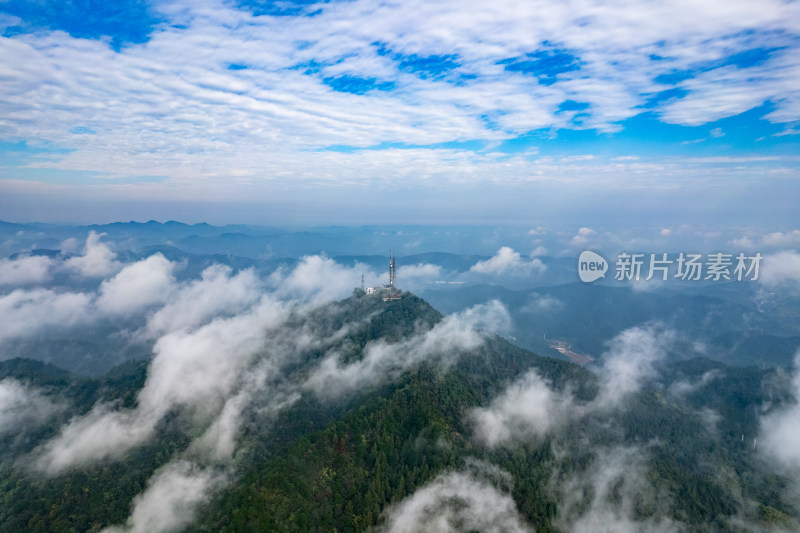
(548, 438)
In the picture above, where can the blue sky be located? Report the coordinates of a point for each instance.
(367, 111)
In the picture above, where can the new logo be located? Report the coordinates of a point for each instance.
(591, 266)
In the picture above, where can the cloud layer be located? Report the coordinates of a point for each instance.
(458, 501)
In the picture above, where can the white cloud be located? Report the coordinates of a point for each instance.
(787, 240)
(413, 277)
(541, 304)
(171, 498)
(318, 278)
(606, 497)
(187, 116)
(25, 270)
(199, 369)
(666, 232)
(583, 236)
(97, 261)
(380, 361)
(686, 387)
(643, 285)
(23, 407)
(100, 434)
(570, 158)
(457, 501)
(630, 362)
(507, 261)
(70, 246)
(726, 91)
(26, 312)
(491, 316)
(133, 289)
(195, 371)
(780, 432)
(744, 242)
(780, 268)
(782, 239)
(527, 408)
(219, 441)
(137, 286)
(218, 291)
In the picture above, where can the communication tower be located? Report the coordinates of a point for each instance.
(392, 271)
(390, 294)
